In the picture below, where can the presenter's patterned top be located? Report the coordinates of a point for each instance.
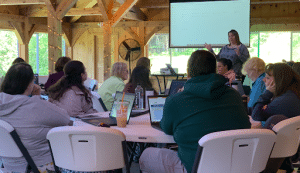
(237, 61)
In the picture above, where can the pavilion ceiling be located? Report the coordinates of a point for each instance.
(262, 11)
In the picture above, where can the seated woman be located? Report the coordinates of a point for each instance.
(144, 61)
(278, 102)
(119, 73)
(254, 68)
(224, 67)
(140, 75)
(31, 117)
(59, 67)
(69, 92)
(282, 93)
(36, 88)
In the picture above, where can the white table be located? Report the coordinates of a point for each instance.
(138, 130)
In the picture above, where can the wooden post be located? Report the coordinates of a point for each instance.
(142, 37)
(24, 52)
(54, 40)
(55, 14)
(107, 49)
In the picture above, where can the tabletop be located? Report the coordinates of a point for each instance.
(138, 130)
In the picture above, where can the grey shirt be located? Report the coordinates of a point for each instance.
(32, 118)
(237, 61)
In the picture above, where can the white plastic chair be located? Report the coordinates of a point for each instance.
(234, 151)
(98, 103)
(90, 84)
(12, 146)
(88, 148)
(288, 135)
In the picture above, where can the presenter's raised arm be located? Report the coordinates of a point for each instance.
(243, 53)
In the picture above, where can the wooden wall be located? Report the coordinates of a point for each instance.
(89, 48)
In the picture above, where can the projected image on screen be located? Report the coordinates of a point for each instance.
(194, 23)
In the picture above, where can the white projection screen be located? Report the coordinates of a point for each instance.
(194, 22)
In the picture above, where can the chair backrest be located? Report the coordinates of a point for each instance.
(98, 104)
(234, 151)
(90, 84)
(87, 148)
(287, 142)
(12, 146)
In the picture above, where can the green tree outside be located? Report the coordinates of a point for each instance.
(8, 50)
(43, 53)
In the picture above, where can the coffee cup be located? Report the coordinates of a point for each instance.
(122, 110)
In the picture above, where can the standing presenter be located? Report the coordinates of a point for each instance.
(234, 51)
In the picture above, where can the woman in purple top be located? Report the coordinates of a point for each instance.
(70, 94)
(59, 66)
(234, 51)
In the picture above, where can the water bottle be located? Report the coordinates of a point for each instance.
(139, 97)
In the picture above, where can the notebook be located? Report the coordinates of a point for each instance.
(175, 86)
(111, 120)
(156, 107)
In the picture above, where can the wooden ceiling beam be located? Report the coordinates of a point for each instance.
(38, 20)
(132, 33)
(272, 1)
(42, 12)
(275, 20)
(64, 7)
(275, 10)
(103, 9)
(121, 24)
(21, 2)
(50, 7)
(83, 4)
(19, 31)
(155, 30)
(136, 14)
(33, 29)
(153, 4)
(11, 17)
(122, 11)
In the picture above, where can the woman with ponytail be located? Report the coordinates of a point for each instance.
(69, 92)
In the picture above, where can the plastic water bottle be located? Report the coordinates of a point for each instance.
(139, 97)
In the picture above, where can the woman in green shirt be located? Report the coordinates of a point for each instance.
(119, 73)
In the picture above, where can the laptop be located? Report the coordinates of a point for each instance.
(175, 86)
(156, 108)
(171, 69)
(111, 120)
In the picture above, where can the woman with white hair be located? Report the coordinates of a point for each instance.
(254, 68)
(119, 73)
